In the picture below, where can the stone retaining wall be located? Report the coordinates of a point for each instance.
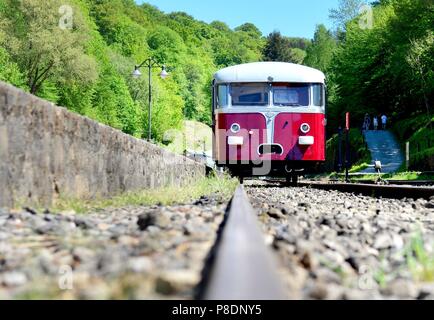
(47, 151)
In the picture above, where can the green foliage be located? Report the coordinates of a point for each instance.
(422, 146)
(320, 51)
(320, 55)
(9, 70)
(87, 68)
(167, 111)
(251, 30)
(284, 49)
(40, 46)
(386, 69)
(298, 55)
(167, 45)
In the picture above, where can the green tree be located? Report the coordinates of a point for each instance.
(9, 70)
(420, 59)
(280, 48)
(87, 67)
(297, 55)
(43, 47)
(320, 51)
(250, 29)
(275, 49)
(387, 68)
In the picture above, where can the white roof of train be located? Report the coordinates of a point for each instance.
(269, 72)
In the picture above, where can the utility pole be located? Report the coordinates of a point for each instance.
(150, 63)
(407, 155)
(150, 102)
(340, 149)
(347, 147)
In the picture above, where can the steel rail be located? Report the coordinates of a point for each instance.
(374, 190)
(243, 267)
(399, 182)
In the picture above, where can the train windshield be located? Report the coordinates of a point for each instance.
(294, 95)
(249, 94)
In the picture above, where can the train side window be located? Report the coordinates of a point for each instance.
(318, 95)
(222, 97)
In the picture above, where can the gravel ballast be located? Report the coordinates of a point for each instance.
(329, 245)
(334, 245)
(129, 253)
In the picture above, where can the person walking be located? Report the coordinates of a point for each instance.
(375, 123)
(367, 122)
(384, 121)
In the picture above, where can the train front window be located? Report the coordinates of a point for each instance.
(294, 95)
(249, 94)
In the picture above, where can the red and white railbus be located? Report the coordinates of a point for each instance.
(269, 119)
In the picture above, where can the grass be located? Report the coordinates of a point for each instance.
(419, 261)
(411, 176)
(359, 167)
(380, 276)
(222, 186)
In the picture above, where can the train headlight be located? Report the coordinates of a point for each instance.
(305, 128)
(235, 128)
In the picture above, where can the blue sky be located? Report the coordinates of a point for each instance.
(296, 18)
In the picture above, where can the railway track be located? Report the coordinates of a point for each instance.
(422, 183)
(242, 267)
(375, 190)
(393, 190)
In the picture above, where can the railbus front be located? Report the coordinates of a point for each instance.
(269, 119)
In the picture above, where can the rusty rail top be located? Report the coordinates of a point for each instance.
(244, 267)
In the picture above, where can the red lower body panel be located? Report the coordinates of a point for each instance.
(253, 132)
(287, 133)
(282, 131)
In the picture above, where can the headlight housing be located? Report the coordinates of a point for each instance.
(235, 128)
(305, 128)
